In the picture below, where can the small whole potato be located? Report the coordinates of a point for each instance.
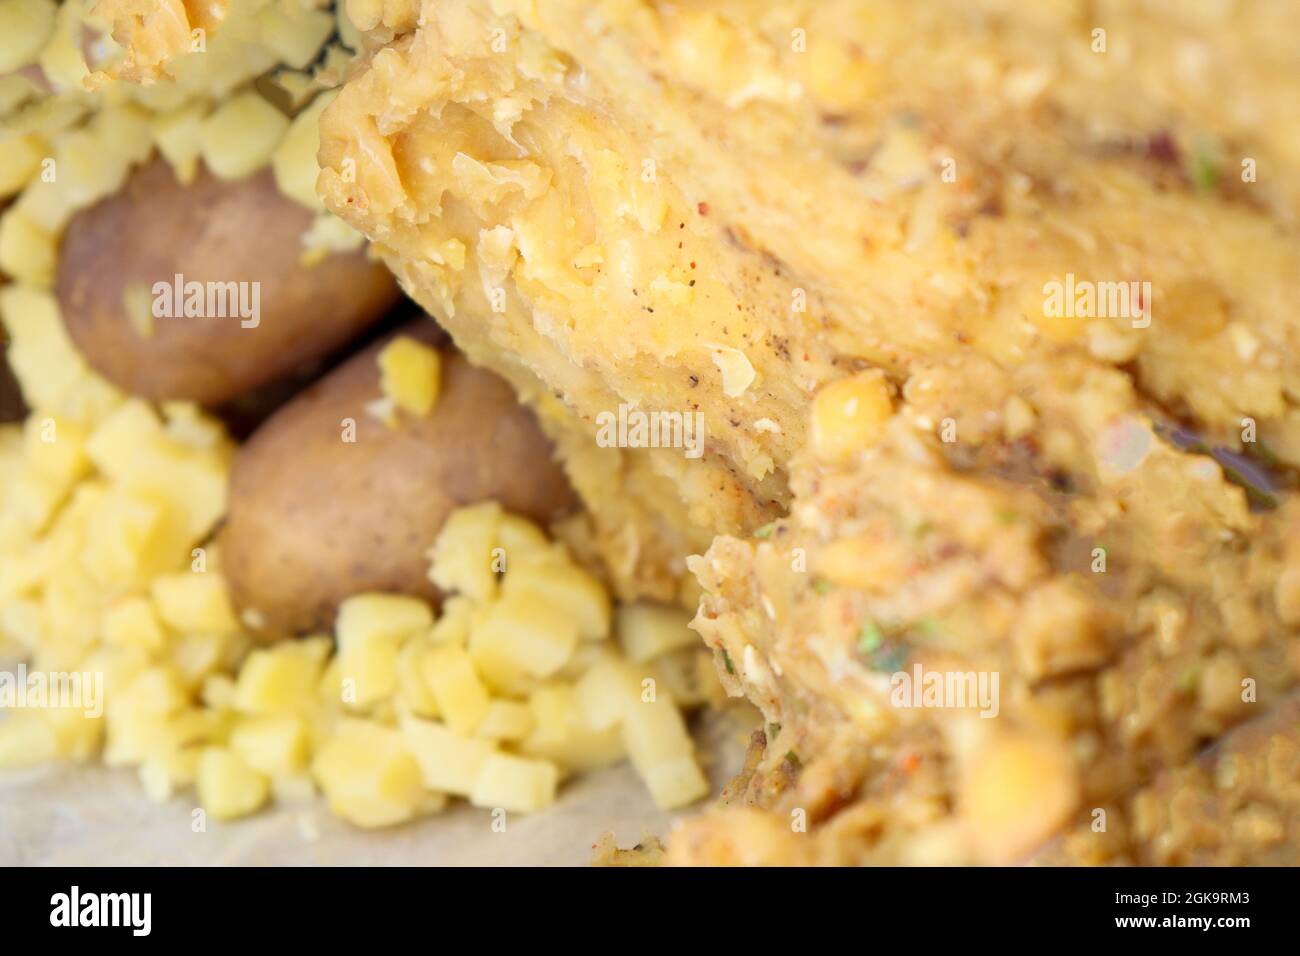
(232, 238)
(326, 500)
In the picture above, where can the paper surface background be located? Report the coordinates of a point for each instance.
(89, 815)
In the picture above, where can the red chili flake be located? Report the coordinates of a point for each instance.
(702, 209)
(692, 265)
(911, 762)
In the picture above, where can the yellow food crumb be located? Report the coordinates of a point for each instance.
(410, 375)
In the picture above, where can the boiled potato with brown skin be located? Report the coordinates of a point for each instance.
(314, 518)
(208, 231)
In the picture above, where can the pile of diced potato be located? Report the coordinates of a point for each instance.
(528, 674)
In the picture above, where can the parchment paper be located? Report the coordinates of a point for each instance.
(88, 815)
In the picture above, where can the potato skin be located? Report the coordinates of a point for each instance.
(313, 519)
(209, 230)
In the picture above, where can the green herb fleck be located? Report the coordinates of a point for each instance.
(1187, 681)
(869, 638)
(821, 586)
(765, 531)
(927, 626)
(888, 659)
(792, 759)
(726, 660)
(1006, 515)
(1205, 170)
(773, 731)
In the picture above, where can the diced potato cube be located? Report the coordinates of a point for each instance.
(240, 136)
(462, 554)
(227, 787)
(524, 541)
(119, 665)
(453, 626)
(607, 692)
(562, 585)
(413, 689)
(515, 784)
(194, 602)
(649, 630)
(371, 630)
(462, 698)
(662, 752)
(55, 449)
(19, 162)
(128, 540)
(282, 679)
(177, 137)
(155, 690)
(134, 735)
(294, 162)
(505, 720)
(195, 656)
(25, 27)
(521, 636)
(368, 774)
(40, 354)
(293, 33)
(368, 671)
(366, 617)
(275, 746)
(132, 623)
(560, 732)
(410, 374)
(115, 446)
(675, 783)
(448, 762)
(655, 732)
(218, 692)
(27, 252)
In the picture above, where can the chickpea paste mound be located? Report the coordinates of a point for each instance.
(845, 233)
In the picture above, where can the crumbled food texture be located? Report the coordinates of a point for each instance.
(871, 204)
(153, 34)
(984, 641)
(606, 852)
(107, 571)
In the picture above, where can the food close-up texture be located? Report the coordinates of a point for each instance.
(415, 402)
